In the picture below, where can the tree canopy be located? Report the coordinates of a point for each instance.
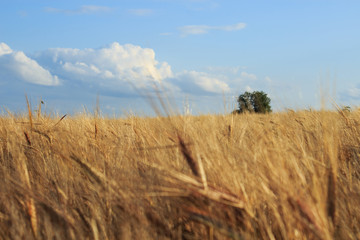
(257, 102)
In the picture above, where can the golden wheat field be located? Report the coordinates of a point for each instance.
(289, 175)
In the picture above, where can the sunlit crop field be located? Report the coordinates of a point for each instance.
(290, 175)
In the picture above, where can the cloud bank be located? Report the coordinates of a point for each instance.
(71, 77)
(116, 70)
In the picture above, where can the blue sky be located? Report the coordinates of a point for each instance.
(199, 51)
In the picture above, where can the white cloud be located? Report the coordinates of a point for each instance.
(119, 68)
(141, 12)
(112, 67)
(235, 27)
(200, 83)
(194, 29)
(4, 49)
(86, 9)
(249, 76)
(16, 65)
(202, 29)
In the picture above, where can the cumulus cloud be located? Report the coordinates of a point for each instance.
(202, 29)
(111, 67)
(15, 65)
(86, 9)
(121, 67)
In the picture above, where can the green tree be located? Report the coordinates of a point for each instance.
(257, 102)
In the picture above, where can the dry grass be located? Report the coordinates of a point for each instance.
(293, 175)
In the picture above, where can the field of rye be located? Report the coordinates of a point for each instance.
(289, 175)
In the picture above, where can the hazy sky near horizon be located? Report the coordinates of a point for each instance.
(200, 51)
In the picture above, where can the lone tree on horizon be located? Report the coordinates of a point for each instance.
(257, 102)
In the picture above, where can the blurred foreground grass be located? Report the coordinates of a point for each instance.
(291, 175)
